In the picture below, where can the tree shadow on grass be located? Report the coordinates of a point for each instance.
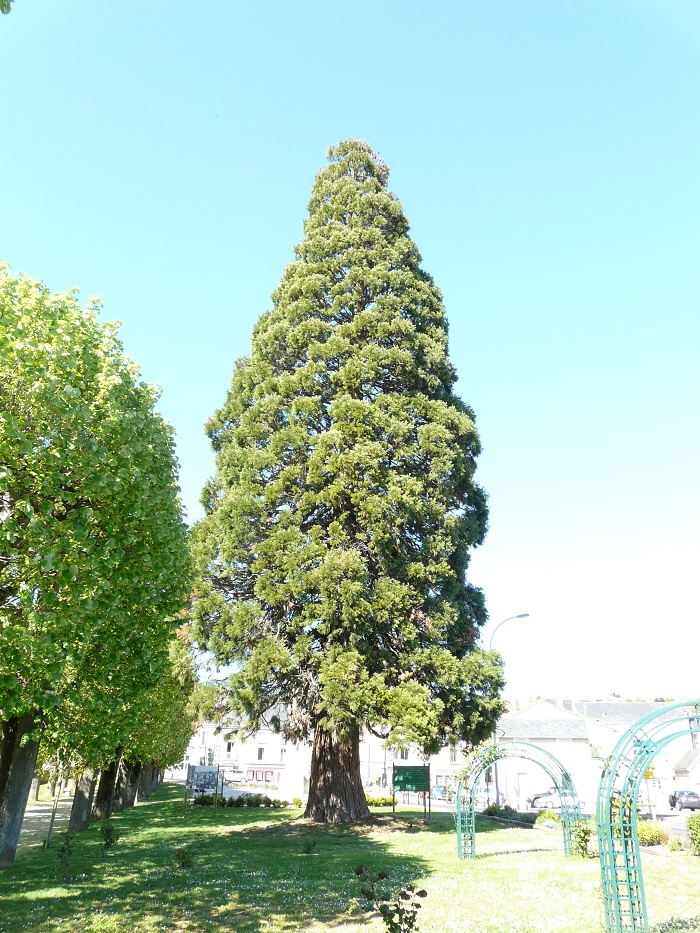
(239, 869)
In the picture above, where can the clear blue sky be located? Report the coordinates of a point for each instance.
(547, 154)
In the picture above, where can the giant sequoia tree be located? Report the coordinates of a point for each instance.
(340, 519)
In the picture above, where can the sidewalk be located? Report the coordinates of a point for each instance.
(37, 817)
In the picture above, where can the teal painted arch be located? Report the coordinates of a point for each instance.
(616, 811)
(486, 755)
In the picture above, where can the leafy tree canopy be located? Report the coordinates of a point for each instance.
(94, 559)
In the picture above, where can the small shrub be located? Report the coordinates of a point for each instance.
(675, 844)
(64, 854)
(296, 803)
(400, 915)
(582, 831)
(492, 810)
(694, 833)
(649, 834)
(184, 857)
(547, 817)
(380, 801)
(284, 804)
(204, 800)
(110, 835)
(239, 801)
(308, 845)
(253, 800)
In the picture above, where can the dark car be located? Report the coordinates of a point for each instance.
(687, 799)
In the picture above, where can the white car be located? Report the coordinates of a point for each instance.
(234, 777)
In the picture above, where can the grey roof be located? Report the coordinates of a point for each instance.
(523, 729)
(615, 714)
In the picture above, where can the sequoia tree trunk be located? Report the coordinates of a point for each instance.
(336, 794)
(82, 802)
(104, 798)
(17, 764)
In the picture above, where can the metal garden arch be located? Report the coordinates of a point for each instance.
(481, 759)
(616, 811)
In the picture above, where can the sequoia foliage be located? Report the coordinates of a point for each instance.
(339, 523)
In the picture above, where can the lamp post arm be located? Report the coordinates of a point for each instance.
(522, 615)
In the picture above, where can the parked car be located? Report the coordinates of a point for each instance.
(547, 800)
(234, 777)
(687, 799)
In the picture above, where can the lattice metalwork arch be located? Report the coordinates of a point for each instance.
(616, 811)
(486, 755)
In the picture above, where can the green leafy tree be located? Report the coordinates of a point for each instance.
(93, 551)
(166, 726)
(338, 526)
(5, 5)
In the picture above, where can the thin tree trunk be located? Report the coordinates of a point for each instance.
(123, 774)
(104, 797)
(49, 834)
(16, 770)
(34, 789)
(131, 789)
(336, 794)
(145, 782)
(82, 802)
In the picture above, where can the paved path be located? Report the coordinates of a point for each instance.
(37, 817)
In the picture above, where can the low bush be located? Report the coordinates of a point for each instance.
(253, 800)
(582, 832)
(380, 801)
(649, 834)
(296, 802)
(204, 800)
(675, 844)
(184, 856)
(694, 833)
(547, 817)
(110, 835)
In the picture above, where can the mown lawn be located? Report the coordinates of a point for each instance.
(268, 870)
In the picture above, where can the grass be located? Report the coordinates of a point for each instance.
(269, 871)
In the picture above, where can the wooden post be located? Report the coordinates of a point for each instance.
(53, 813)
(187, 788)
(216, 788)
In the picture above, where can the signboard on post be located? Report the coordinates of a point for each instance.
(204, 779)
(411, 778)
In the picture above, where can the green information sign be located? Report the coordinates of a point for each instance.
(412, 777)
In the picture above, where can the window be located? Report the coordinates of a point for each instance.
(283, 752)
(261, 752)
(453, 755)
(401, 754)
(229, 747)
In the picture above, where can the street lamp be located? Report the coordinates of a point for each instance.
(522, 615)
